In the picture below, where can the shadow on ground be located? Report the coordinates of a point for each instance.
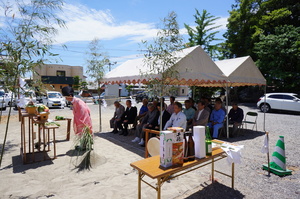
(19, 167)
(216, 191)
(123, 141)
(244, 134)
(8, 146)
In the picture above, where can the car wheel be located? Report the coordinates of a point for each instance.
(265, 108)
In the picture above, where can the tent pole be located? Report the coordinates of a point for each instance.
(265, 106)
(227, 126)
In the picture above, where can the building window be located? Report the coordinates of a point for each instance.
(182, 91)
(60, 73)
(60, 87)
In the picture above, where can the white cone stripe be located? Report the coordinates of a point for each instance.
(280, 151)
(278, 162)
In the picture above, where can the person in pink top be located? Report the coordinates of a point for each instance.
(82, 116)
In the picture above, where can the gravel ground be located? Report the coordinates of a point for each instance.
(250, 180)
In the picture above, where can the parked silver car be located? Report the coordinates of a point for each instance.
(279, 101)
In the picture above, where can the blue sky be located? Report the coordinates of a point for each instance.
(122, 24)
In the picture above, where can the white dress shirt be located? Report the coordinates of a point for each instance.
(176, 120)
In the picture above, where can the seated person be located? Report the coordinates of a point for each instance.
(157, 102)
(116, 121)
(165, 116)
(193, 103)
(149, 122)
(178, 118)
(235, 116)
(216, 119)
(201, 116)
(218, 99)
(208, 105)
(142, 113)
(128, 117)
(164, 103)
(189, 113)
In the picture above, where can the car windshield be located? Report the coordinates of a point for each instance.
(298, 96)
(2, 93)
(54, 95)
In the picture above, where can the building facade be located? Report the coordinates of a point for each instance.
(55, 76)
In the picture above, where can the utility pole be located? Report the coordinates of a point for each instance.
(111, 64)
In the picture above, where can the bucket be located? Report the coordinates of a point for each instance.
(31, 110)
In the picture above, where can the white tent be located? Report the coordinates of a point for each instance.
(194, 67)
(241, 71)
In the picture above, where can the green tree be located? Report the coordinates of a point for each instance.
(129, 88)
(26, 37)
(242, 24)
(162, 57)
(279, 57)
(96, 62)
(83, 85)
(254, 26)
(76, 82)
(204, 33)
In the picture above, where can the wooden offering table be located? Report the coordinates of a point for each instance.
(151, 167)
(68, 126)
(26, 137)
(29, 149)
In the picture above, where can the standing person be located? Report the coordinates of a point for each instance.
(170, 108)
(189, 113)
(201, 116)
(143, 111)
(217, 117)
(82, 115)
(128, 117)
(116, 121)
(178, 118)
(67, 91)
(235, 116)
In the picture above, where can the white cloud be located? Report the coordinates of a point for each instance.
(222, 22)
(85, 24)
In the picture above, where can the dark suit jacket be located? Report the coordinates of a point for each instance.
(151, 118)
(130, 115)
(203, 119)
(166, 116)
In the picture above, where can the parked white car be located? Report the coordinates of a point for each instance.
(279, 101)
(2, 100)
(54, 99)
